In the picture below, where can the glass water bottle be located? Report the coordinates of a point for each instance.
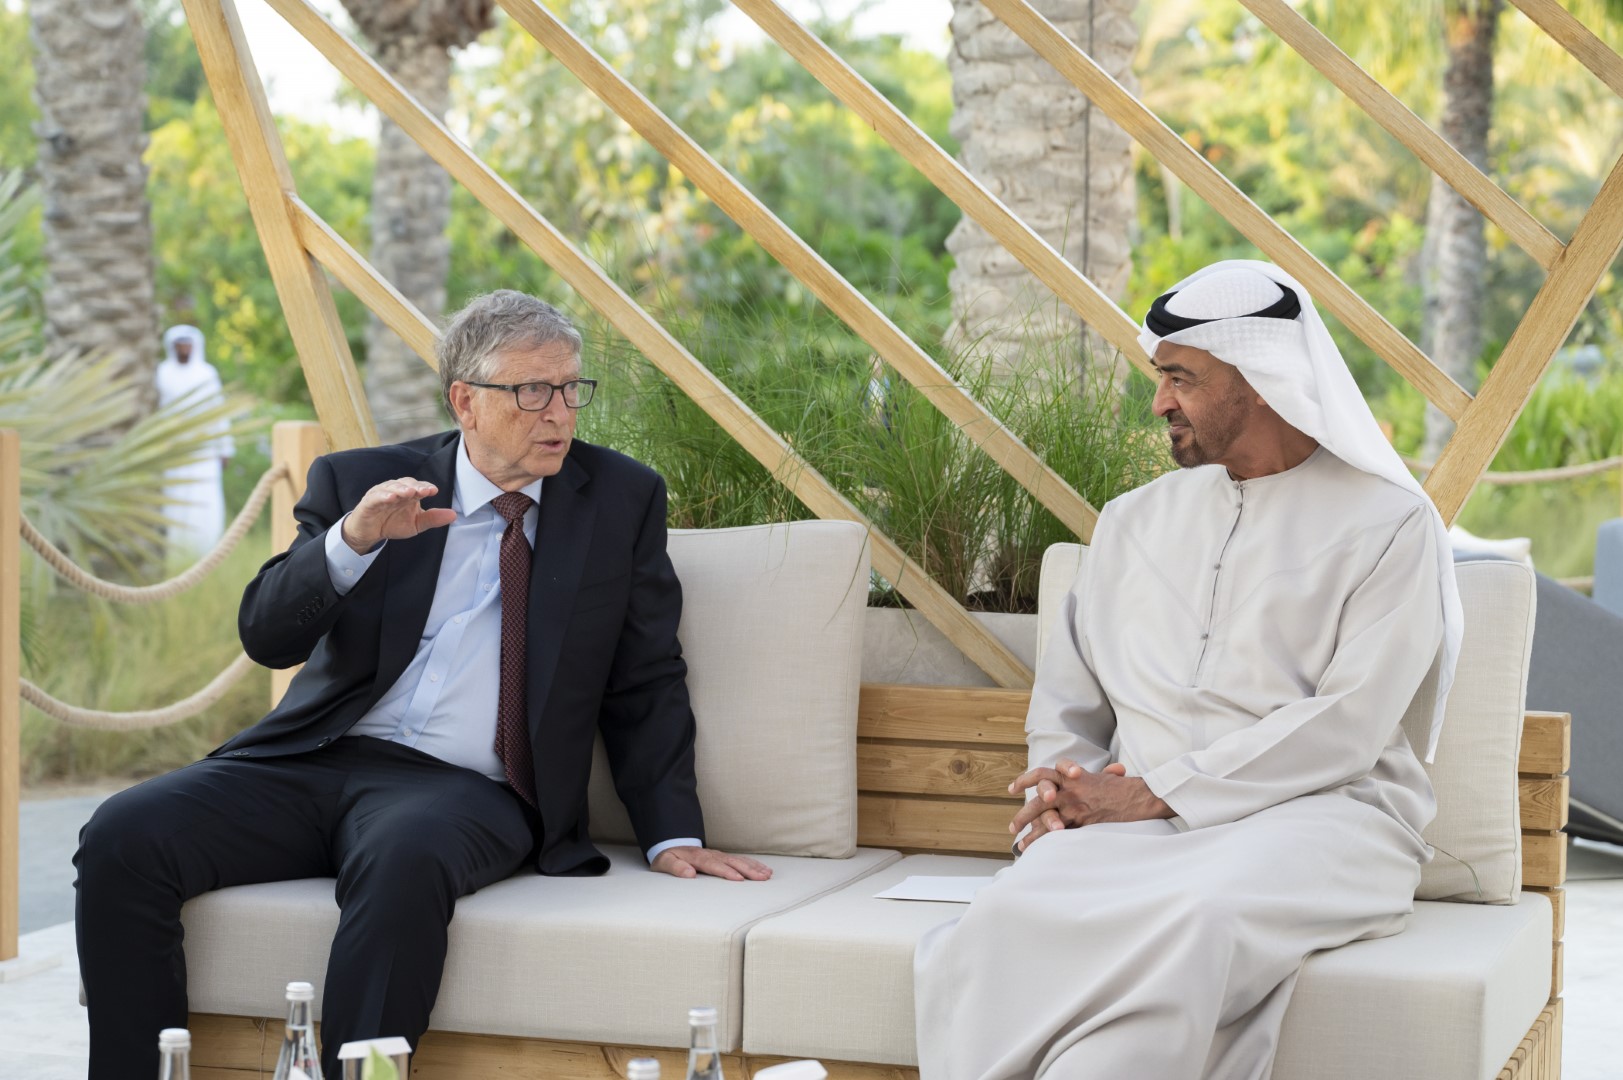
(174, 1054)
(642, 1069)
(300, 1059)
(704, 1058)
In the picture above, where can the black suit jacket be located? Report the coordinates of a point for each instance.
(603, 654)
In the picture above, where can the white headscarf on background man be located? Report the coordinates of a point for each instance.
(1241, 311)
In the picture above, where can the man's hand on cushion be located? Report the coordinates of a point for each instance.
(393, 510)
(687, 862)
(1069, 796)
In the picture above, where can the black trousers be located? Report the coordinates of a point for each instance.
(404, 833)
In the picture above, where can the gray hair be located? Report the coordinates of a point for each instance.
(492, 324)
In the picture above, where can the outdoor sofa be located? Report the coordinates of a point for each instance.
(831, 782)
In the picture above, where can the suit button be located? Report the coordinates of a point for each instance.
(322, 743)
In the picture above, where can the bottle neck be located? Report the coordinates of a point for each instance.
(174, 1063)
(704, 1037)
(298, 1014)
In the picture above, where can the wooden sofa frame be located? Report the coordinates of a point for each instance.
(933, 764)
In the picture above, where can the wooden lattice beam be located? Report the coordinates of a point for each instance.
(1545, 325)
(952, 179)
(809, 268)
(1253, 223)
(358, 276)
(11, 705)
(594, 285)
(307, 305)
(1576, 38)
(1441, 157)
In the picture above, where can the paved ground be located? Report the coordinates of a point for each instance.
(43, 1034)
(50, 834)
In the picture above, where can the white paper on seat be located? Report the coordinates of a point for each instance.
(951, 890)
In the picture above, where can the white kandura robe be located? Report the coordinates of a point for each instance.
(193, 490)
(1249, 648)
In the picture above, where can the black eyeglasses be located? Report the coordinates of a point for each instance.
(535, 396)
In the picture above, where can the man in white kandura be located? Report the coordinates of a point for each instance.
(194, 498)
(1219, 784)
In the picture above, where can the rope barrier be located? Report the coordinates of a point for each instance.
(1533, 476)
(76, 575)
(144, 719)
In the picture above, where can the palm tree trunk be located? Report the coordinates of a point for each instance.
(1454, 258)
(89, 72)
(411, 211)
(1059, 164)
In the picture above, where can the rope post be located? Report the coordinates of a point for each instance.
(11, 706)
(294, 443)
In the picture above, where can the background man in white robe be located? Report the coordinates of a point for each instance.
(193, 493)
(1219, 784)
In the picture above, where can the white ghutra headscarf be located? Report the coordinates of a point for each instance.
(1258, 318)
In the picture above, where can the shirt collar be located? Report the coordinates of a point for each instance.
(474, 490)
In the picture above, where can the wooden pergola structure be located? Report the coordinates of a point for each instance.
(301, 248)
(299, 245)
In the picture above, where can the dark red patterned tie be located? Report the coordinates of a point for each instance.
(512, 722)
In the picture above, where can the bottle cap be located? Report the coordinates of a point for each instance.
(704, 1014)
(794, 1070)
(174, 1039)
(642, 1069)
(300, 991)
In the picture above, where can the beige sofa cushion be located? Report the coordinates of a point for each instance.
(614, 959)
(834, 979)
(772, 632)
(1448, 999)
(1477, 825)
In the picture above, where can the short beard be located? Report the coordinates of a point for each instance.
(1218, 431)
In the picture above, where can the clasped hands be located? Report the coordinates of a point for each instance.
(1069, 796)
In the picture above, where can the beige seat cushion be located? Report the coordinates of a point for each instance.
(834, 979)
(772, 632)
(1448, 999)
(1477, 825)
(614, 959)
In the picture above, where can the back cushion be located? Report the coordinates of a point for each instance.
(772, 632)
(1478, 826)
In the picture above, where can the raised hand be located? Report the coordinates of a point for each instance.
(393, 510)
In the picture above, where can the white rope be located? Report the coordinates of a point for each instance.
(144, 719)
(1533, 476)
(76, 575)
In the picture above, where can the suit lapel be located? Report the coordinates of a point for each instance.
(413, 570)
(563, 536)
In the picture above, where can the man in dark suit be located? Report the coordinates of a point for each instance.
(456, 601)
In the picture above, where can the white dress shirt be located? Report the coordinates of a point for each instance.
(444, 703)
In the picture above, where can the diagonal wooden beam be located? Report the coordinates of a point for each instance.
(655, 342)
(1228, 200)
(362, 279)
(1589, 50)
(11, 705)
(951, 178)
(811, 269)
(1438, 154)
(256, 147)
(1548, 321)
